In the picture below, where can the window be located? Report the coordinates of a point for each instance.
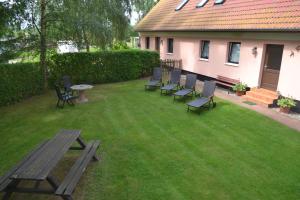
(234, 52)
(202, 3)
(147, 41)
(181, 5)
(157, 43)
(219, 1)
(170, 45)
(204, 49)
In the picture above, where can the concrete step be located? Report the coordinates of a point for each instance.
(263, 96)
(258, 101)
(266, 92)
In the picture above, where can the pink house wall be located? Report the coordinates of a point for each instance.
(248, 70)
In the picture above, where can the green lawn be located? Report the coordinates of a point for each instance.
(153, 149)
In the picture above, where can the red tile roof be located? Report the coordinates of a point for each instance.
(232, 15)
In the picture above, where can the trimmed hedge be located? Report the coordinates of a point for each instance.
(19, 81)
(22, 80)
(103, 67)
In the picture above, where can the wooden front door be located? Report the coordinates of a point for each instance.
(272, 65)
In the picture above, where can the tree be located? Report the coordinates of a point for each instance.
(43, 35)
(95, 22)
(11, 39)
(142, 7)
(39, 24)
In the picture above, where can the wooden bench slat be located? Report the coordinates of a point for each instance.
(60, 190)
(5, 180)
(41, 164)
(69, 183)
(225, 81)
(222, 83)
(52, 162)
(82, 169)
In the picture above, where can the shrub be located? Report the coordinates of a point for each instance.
(286, 102)
(120, 45)
(19, 81)
(103, 67)
(239, 87)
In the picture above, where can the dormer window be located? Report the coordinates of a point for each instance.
(181, 5)
(202, 3)
(219, 2)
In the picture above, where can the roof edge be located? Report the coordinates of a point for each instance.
(221, 30)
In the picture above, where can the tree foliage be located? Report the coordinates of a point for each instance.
(11, 36)
(142, 7)
(39, 24)
(95, 22)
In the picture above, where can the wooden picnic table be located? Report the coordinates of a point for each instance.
(38, 165)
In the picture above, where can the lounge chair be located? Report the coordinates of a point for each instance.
(206, 97)
(189, 87)
(64, 98)
(155, 80)
(173, 83)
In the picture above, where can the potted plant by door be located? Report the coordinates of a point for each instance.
(240, 89)
(285, 104)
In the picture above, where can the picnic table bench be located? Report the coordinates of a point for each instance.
(38, 165)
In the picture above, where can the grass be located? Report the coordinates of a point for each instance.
(153, 149)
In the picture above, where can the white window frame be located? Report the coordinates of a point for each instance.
(181, 5)
(202, 48)
(202, 3)
(230, 44)
(218, 2)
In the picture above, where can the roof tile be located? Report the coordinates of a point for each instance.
(231, 15)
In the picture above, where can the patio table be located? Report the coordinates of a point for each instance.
(37, 166)
(81, 91)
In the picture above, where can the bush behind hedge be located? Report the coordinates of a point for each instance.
(19, 81)
(103, 67)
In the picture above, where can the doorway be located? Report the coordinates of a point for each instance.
(272, 65)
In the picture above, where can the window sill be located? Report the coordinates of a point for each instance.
(232, 64)
(203, 59)
(169, 53)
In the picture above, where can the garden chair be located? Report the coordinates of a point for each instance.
(155, 80)
(63, 98)
(206, 97)
(173, 83)
(189, 87)
(67, 84)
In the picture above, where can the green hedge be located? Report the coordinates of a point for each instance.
(22, 80)
(19, 81)
(103, 67)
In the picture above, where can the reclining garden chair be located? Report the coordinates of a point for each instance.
(173, 83)
(206, 97)
(64, 98)
(155, 80)
(189, 87)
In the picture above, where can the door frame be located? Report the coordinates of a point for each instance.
(263, 61)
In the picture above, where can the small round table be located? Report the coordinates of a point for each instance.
(81, 91)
